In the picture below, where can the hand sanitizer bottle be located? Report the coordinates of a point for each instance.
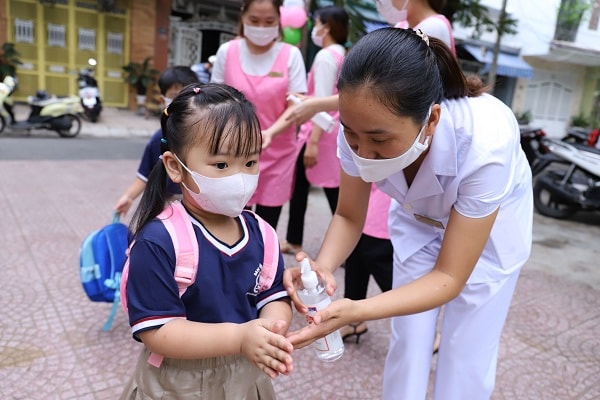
(314, 296)
(322, 119)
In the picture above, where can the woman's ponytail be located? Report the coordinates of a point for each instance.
(455, 83)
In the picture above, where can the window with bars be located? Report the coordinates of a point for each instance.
(87, 39)
(23, 31)
(114, 43)
(57, 35)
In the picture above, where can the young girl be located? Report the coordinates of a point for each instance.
(266, 70)
(461, 217)
(221, 333)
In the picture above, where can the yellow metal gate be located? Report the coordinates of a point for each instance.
(56, 38)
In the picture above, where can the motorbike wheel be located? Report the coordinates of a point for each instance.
(75, 127)
(547, 204)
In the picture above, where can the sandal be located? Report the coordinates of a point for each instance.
(288, 248)
(351, 330)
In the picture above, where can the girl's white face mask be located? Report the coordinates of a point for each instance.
(375, 170)
(226, 196)
(261, 36)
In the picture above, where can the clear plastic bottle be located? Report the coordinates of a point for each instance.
(314, 296)
(322, 119)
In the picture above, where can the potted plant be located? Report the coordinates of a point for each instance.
(9, 59)
(140, 76)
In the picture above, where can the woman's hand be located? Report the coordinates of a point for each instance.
(264, 346)
(311, 153)
(266, 139)
(303, 111)
(336, 315)
(292, 281)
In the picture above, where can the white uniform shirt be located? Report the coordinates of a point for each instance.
(260, 65)
(436, 27)
(325, 68)
(475, 165)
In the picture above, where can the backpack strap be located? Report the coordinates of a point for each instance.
(179, 225)
(271, 254)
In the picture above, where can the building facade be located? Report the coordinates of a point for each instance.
(564, 54)
(56, 38)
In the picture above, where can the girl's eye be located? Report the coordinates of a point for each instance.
(251, 164)
(221, 165)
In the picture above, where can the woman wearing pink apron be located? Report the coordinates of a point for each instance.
(317, 163)
(265, 70)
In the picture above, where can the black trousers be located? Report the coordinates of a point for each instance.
(269, 214)
(299, 202)
(371, 256)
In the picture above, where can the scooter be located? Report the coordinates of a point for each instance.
(59, 114)
(532, 143)
(576, 134)
(89, 92)
(570, 180)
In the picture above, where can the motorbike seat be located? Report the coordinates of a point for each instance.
(42, 102)
(585, 147)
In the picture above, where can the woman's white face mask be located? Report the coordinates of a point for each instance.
(391, 14)
(375, 170)
(261, 36)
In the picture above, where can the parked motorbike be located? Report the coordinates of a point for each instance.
(532, 142)
(570, 180)
(89, 92)
(576, 134)
(59, 114)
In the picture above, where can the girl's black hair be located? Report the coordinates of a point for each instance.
(338, 21)
(405, 73)
(437, 5)
(210, 113)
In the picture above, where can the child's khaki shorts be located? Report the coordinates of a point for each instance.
(227, 378)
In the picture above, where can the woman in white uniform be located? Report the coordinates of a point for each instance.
(461, 216)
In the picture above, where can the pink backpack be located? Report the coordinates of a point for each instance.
(179, 225)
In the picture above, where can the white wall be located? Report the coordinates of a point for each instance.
(535, 29)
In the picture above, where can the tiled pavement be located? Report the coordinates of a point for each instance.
(52, 345)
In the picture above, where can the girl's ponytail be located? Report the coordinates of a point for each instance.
(155, 193)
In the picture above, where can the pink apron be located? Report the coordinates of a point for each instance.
(268, 94)
(326, 172)
(376, 223)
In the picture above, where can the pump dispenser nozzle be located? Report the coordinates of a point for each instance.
(309, 277)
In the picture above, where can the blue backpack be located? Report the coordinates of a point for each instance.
(101, 259)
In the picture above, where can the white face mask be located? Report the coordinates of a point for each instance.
(317, 40)
(225, 196)
(167, 101)
(375, 170)
(391, 14)
(261, 36)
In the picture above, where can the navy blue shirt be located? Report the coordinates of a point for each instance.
(226, 287)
